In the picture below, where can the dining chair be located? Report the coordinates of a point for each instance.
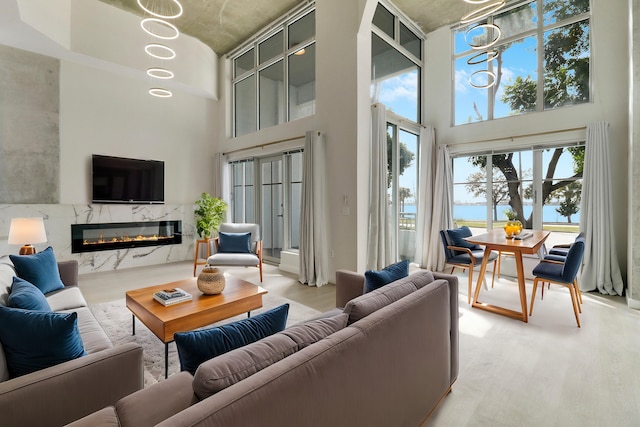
(561, 273)
(238, 244)
(558, 253)
(462, 254)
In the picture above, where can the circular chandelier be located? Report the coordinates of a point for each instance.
(486, 55)
(158, 27)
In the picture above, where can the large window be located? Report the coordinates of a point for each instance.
(274, 76)
(541, 187)
(268, 191)
(541, 60)
(396, 65)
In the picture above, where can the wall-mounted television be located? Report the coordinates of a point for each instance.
(125, 180)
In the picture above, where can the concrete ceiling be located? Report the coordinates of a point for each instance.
(225, 24)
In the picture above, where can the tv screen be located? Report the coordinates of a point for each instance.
(123, 180)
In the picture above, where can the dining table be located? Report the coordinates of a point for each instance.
(527, 242)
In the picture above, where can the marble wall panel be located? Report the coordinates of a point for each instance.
(58, 220)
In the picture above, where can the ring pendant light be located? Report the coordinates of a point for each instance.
(160, 51)
(483, 12)
(496, 31)
(491, 79)
(477, 58)
(146, 21)
(168, 15)
(160, 92)
(160, 73)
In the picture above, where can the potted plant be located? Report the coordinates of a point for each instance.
(209, 214)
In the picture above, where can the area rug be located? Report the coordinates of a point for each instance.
(116, 320)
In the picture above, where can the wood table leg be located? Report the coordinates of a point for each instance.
(521, 286)
(166, 360)
(483, 270)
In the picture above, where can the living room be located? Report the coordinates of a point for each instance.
(78, 88)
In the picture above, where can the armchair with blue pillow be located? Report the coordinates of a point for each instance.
(238, 245)
(462, 254)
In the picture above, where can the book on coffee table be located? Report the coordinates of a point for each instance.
(172, 296)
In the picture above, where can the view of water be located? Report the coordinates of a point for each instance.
(479, 212)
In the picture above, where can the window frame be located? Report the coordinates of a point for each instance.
(539, 31)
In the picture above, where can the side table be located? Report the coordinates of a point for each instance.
(196, 262)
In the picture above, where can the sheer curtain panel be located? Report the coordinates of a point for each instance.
(380, 246)
(424, 219)
(314, 267)
(442, 218)
(601, 269)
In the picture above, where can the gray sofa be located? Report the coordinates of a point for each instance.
(394, 361)
(68, 391)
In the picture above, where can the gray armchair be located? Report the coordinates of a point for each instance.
(229, 256)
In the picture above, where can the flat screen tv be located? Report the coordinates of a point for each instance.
(124, 180)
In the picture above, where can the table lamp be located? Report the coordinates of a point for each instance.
(26, 232)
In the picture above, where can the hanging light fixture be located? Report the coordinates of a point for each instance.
(485, 55)
(158, 27)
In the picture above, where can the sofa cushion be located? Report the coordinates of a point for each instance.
(367, 303)
(94, 338)
(41, 269)
(26, 296)
(311, 331)
(234, 242)
(66, 299)
(227, 369)
(34, 340)
(375, 279)
(198, 346)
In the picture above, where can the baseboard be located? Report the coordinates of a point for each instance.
(289, 262)
(633, 303)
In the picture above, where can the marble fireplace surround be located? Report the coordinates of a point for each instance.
(58, 220)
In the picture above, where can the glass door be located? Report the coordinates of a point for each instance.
(272, 207)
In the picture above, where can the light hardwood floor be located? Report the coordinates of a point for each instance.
(112, 285)
(547, 372)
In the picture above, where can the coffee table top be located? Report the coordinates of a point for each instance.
(238, 296)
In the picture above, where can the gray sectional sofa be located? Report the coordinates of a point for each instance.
(68, 391)
(387, 359)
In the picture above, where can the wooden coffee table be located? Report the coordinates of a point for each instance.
(238, 296)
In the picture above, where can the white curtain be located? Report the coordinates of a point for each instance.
(424, 219)
(314, 267)
(221, 177)
(380, 245)
(601, 270)
(442, 217)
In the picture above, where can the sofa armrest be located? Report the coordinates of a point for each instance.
(68, 272)
(349, 285)
(73, 389)
(158, 402)
(453, 302)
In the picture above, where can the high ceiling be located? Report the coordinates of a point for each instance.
(225, 24)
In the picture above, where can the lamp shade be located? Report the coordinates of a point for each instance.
(27, 231)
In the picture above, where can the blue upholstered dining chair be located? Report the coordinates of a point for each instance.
(462, 254)
(558, 253)
(562, 273)
(237, 245)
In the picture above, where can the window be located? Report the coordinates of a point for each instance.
(396, 65)
(542, 187)
(272, 197)
(274, 76)
(542, 61)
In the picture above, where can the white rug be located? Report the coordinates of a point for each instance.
(116, 319)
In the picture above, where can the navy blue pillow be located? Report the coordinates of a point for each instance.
(26, 296)
(34, 340)
(234, 242)
(199, 346)
(376, 279)
(41, 269)
(457, 235)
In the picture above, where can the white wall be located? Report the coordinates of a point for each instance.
(609, 95)
(111, 114)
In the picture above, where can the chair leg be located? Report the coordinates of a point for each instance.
(533, 294)
(452, 268)
(574, 302)
(575, 283)
(577, 292)
(493, 277)
(543, 290)
(260, 272)
(499, 260)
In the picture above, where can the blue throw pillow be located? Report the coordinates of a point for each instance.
(457, 235)
(199, 346)
(234, 242)
(376, 279)
(41, 269)
(26, 296)
(34, 340)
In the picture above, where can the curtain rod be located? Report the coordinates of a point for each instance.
(551, 132)
(266, 144)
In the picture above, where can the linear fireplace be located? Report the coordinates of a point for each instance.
(124, 235)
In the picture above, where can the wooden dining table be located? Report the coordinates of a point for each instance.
(528, 242)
